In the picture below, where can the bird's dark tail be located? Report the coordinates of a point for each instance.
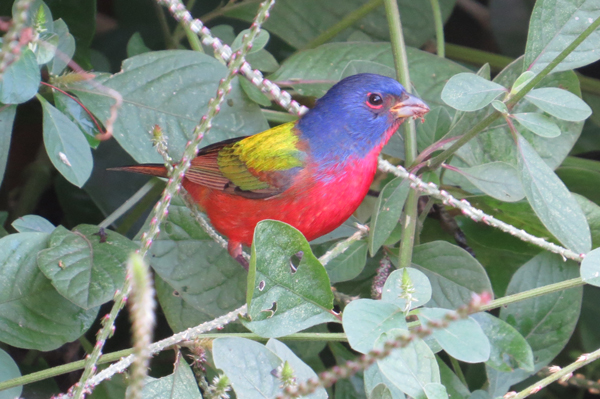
(153, 169)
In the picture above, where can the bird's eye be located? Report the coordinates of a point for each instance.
(375, 101)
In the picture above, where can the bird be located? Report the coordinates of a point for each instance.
(312, 173)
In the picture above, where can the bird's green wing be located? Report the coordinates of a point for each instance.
(258, 166)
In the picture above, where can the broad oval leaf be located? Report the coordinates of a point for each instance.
(462, 339)
(497, 179)
(7, 117)
(179, 385)
(417, 283)
(170, 89)
(377, 383)
(282, 300)
(21, 79)
(434, 390)
(68, 150)
(551, 200)
(546, 322)
(560, 103)
(453, 273)
(86, 266)
(8, 371)
(32, 314)
(553, 26)
(364, 320)
(469, 92)
(387, 211)
(409, 368)
(32, 224)
(349, 263)
(538, 124)
(258, 44)
(65, 49)
(509, 349)
(436, 125)
(249, 366)
(590, 267)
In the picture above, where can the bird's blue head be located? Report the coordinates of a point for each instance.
(356, 116)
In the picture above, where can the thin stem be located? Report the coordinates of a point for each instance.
(458, 371)
(410, 136)
(439, 28)
(512, 100)
(580, 362)
(127, 205)
(346, 22)
(193, 39)
(164, 27)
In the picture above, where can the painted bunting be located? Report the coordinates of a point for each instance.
(312, 173)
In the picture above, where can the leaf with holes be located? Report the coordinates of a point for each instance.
(68, 150)
(386, 212)
(86, 266)
(469, 92)
(552, 201)
(282, 297)
(180, 384)
(462, 339)
(364, 320)
(553, 26)
(32, 314)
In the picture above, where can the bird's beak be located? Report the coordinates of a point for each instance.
(408, 106)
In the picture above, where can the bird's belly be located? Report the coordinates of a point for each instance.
(313, 207)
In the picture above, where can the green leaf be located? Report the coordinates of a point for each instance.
(254, 93)
(364, 320)
(77, 115)
(500, 106)
(436, 125)
(64, 50)
(581, 176)
(263, 61)
(560, 103)
(313, 17)
(32, 314)
(462, 339)
(374, 380)
(551, 201)
(393, 291)
(497, 179)
(359, 66)
(435, 391)
(179, 385)
(84, 266)
(348, 264)
(381, 391)
(249, 366)
(136, 46)
(409, 368)
(455, 387)
(453, 273)
(7, 117)
(546, 322)
(313, 72)
(32, 224)
(509, 349)
(592, 214)
(538, 124)
(387, 211)
(170, 89)
(8, 371)
(258, 44)
(20, 80)
(207, 281)
(590, 267)
(282, 300)
(521, 81)
(469, 92)
(45, 48)
(302, 371)
(67, 148)
(553, 26)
